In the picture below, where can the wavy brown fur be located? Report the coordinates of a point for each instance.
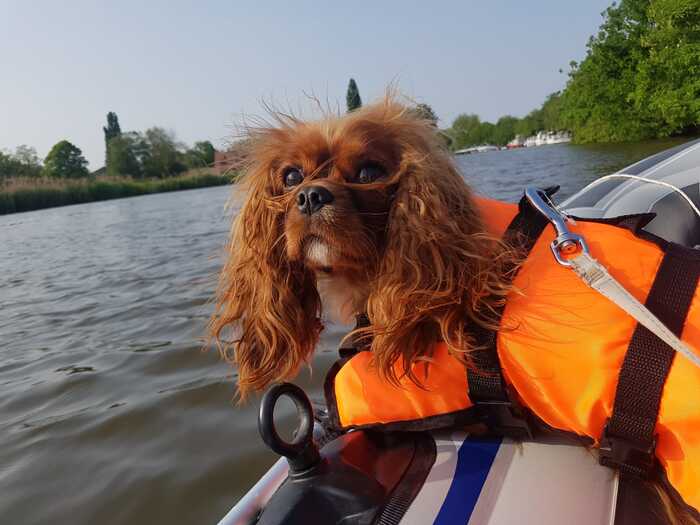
(270, 302)
(439, 268)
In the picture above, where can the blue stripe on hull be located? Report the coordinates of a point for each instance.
(473, 464)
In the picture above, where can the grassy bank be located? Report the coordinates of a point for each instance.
(26, 194)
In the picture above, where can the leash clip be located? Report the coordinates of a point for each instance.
(567, 244)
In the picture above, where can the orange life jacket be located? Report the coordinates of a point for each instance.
(561, 355)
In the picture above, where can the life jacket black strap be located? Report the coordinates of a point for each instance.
(628, 440)
(487, 388)
(351, 346)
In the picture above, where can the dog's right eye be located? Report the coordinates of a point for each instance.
(370, 173)
(293, 177)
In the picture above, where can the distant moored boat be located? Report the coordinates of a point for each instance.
(477, 149)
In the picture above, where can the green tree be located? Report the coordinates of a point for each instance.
(159, 154)
(530, 123)
(598, 103)
(7, 165)
(465, 131)
(425, 112)
(200, 155)
(65, 161)
(123, 155)
(469, 130)
(352, 97)
(551, 112)
(111, 131)
(505, 130)
(27, 157)
(24, 162)
(668, 81)
(486, 134)
(155, 154)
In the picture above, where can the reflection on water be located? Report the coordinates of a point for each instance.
(110, 412)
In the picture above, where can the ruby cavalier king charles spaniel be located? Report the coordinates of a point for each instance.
(363, 213)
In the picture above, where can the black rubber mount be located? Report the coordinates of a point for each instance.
(301, 452)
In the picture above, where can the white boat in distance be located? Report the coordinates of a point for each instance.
(543, 138)
(477, 149)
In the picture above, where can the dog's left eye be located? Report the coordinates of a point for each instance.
(293, 177)
(369, 173)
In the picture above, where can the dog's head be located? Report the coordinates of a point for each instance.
(370, 208)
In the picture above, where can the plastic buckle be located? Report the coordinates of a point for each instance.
(629, 456)
(502, 419)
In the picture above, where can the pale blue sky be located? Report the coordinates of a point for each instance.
(195, 67)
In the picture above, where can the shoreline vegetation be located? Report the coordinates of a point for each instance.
(136, 163)
(639, 80)
(22, 194)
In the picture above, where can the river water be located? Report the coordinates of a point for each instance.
(110, 411)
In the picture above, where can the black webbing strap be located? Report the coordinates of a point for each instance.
(354, 345)
(628, 440)
(487, 388)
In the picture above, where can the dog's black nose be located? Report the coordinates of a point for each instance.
(313, 198)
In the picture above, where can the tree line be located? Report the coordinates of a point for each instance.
(63, 161)
(154, 153)
(470, 130)
(640, 79)
(641, 75)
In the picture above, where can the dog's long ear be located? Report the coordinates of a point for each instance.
(269, 304)
(439, 269)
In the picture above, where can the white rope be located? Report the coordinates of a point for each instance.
(650, 181)
(597, 277)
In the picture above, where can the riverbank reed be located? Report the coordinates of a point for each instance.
(26, 194)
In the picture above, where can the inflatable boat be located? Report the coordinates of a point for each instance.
(448, 476)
